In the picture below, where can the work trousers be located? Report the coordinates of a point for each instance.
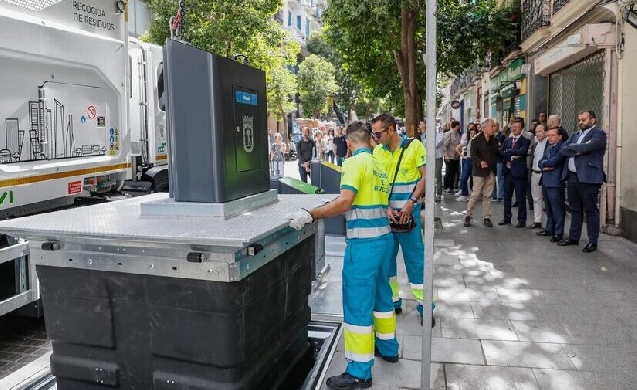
(538, 197)
(482, 186)
(367, 304)
(413, 248)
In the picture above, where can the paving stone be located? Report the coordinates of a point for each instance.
(446, 259)
(454, 309)
(603, 358)
(465, 377)
(446, 350)
(578, 380)
(406, 374)
(468, 294)
(506, 311)
(478, 329)
(442, 243)
(604, 333)
(526, 354)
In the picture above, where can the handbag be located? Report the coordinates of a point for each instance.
(408, 226)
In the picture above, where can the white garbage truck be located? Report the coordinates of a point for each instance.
(79, 118)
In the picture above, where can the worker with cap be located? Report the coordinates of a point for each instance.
(404, 160)
(369, 319)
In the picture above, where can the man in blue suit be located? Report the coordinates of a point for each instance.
(513, 152)
(552, 166)
(584, 175)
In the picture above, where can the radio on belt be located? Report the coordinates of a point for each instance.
(217, 126)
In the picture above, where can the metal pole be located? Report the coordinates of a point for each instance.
(430, 57)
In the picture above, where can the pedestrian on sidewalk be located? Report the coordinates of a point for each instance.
(367, 307)
(305, 148)
(439, 161)
(340, 146)
(452, 159)
(552, 166)
(277, 161)
(584, 175)
(484, 152)
(514, 151)
(536, 175)
(330, 154)
(404, 160)
(464, 150)
(498, 190)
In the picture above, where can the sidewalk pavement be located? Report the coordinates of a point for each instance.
(515, 311)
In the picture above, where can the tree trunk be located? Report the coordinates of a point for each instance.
(406, 63)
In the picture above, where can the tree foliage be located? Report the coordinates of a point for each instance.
(316, 84)
(349, 89)
(381, 43)
(231, 27)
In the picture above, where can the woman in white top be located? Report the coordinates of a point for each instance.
(330, 154)
(464, 149)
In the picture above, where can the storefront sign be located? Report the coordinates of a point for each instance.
(455, 104)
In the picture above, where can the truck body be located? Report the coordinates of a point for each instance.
(67, 86)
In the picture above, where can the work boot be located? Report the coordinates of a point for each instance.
(347, 382)
(390, 359)
(398, 310)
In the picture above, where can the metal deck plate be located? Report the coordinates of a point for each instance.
(122, 220)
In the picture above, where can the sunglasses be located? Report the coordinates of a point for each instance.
(378, 134)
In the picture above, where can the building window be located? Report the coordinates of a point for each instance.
(307, 27)
(289, 18)
(298, 22)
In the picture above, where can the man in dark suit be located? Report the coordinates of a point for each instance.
(514, 151)
(552, 167)
(584, 175)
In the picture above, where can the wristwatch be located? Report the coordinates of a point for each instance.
(413, 199)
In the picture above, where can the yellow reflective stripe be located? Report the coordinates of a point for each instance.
(62, 175)
(417, 290)
(385, 325)
(383, 314)
(386, 336)
(393, 284)
(359, 357)
(359, 340)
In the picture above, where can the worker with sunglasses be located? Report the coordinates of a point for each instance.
(404, 161)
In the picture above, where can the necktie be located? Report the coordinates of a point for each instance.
(515, 140)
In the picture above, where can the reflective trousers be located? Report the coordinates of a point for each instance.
(367, 305)
(414, 254)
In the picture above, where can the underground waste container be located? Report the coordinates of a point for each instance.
(134, 300)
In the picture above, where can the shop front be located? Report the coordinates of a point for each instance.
(582, 74)
(509, 93)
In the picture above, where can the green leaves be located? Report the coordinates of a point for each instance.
(316, 84)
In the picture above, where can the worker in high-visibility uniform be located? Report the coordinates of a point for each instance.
(369, 318)
(408, 188)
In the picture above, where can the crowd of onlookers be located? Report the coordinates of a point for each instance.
(540, 165)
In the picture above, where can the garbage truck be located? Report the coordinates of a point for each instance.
(79, 119)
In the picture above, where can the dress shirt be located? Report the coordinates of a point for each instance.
(539, 152)
(571, 160)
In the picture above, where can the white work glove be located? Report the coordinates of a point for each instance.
(299, 219)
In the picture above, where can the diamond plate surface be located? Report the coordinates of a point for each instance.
(33, 5)
(122, 220)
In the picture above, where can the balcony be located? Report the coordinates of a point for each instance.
(558, 4)
(536, 14)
